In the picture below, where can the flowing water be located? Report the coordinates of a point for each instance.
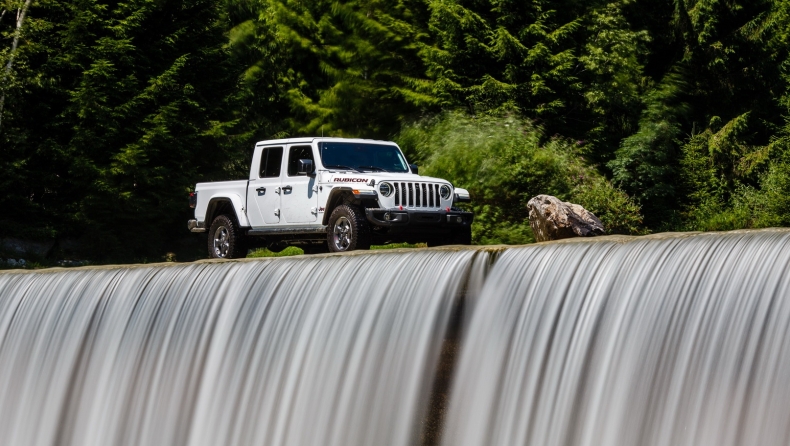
(680, 341)
(310, 351)
(673, 340)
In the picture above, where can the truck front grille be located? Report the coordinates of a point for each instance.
(417, 195)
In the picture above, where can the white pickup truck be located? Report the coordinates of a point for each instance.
(328, 194)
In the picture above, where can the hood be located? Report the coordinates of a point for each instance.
(359, 178)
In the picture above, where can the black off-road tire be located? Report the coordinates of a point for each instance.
(348, 229)
(225, 239)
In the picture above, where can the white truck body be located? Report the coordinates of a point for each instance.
(294, 186)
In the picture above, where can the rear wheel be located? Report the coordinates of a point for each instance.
(348, 229)
(225, 239)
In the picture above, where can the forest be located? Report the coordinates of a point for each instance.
(656, 115)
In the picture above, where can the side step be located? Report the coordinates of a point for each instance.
(292, 230)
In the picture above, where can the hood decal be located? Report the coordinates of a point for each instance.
(349, 180)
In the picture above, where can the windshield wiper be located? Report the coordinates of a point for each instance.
(374, 168)
(338, 166)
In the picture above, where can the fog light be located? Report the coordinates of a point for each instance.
(387, 216)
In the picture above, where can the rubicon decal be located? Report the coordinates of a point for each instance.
(350, 180)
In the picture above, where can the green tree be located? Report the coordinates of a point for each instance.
(716, 67)
(352, 68)
(573, 67)
(731, 181)
(646, 165)
(117, 110)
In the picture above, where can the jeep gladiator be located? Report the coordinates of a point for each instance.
(328, 194)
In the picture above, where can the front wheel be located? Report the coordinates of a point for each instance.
(225, 239)
(348, 229)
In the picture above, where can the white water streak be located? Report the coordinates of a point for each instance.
(316, 351)
(682, 341)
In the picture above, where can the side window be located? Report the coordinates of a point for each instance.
(271, 160)
(295, 154)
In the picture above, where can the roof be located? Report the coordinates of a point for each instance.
(310, 139)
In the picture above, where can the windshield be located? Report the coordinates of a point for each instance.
(362, 157)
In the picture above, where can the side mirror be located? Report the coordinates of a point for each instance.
(414, 169)
(305, 167)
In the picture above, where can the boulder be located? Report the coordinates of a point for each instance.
(552, 219)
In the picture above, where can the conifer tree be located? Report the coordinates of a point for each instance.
(721, 71)
(573, 67)
(118, 109)
(353, 66)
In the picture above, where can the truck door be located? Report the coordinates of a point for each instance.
(300, 197)
(263, 193)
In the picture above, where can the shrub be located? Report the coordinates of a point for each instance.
(504, 161)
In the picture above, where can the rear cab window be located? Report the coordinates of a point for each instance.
(271, 162)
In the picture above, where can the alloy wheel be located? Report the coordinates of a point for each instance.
(342, 234)
(221, 242)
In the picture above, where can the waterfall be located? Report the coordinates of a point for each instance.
(309, 351)
(677, 339)
(673, 341)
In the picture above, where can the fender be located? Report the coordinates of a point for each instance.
(335, 199)
(236, 203)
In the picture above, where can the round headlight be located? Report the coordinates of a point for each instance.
(445, 192)
(385, 189)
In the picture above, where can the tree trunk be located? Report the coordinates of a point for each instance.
(20, 20)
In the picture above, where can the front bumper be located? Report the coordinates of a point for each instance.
(454, 218)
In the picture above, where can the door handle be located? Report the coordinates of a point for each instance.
(261, 189)
(287, 188)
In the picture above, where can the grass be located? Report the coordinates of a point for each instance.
(399, 245)
(263, 252)
(294, 251)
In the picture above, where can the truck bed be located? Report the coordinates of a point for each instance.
(207, 191)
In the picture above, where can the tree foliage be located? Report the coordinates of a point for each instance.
(347, 68)
(110, 112)
(715, 106)
(574, 67)
(114, 111)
